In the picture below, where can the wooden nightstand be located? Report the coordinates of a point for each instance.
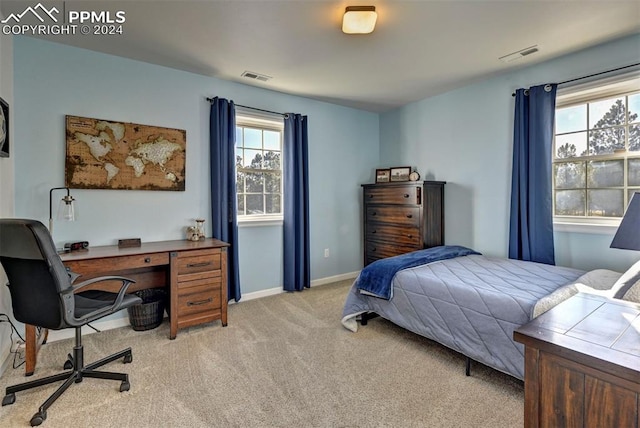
(582, 364)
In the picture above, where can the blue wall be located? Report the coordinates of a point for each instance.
(465, 137)
(52, 80)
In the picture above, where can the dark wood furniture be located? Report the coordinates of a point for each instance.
(582, 364)
(195, 273)
(402, 217)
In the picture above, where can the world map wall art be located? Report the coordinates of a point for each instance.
(104, 154)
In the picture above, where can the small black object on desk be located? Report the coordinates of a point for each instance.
(75, 246)
(132, 242)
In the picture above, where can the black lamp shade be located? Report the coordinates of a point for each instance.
(628, 234)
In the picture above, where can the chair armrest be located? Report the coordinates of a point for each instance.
(73, 276)
(126, 282)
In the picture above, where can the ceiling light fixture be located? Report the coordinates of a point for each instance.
(359, 19)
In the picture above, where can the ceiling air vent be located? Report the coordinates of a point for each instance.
(519, 54)
(255, 76)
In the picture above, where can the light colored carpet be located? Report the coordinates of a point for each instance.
(283, 361)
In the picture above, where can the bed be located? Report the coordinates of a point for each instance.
(466, 301)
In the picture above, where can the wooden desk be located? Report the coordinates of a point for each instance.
(582, 364)
(194, 271)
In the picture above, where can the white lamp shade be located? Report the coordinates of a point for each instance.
(359, 20)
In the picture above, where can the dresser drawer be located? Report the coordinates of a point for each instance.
(402, 216)
(198, 261)
(378, 250)
(404, 195)
(399, 235)
(198, 299)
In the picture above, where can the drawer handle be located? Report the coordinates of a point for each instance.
(409, 236)
(406, 196)
(374, 213)
(373, 231)
(193, 265)
(373, 250)
(409, 215)
(200, 302)
(370, 196)
(147, 260)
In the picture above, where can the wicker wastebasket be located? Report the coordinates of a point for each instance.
(148, 314)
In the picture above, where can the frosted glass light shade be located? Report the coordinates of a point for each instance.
(66, 209)
(359, 19)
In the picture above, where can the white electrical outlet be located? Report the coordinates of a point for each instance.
(326, 253)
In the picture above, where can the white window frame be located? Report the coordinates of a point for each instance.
(266, 121)
(579, 94)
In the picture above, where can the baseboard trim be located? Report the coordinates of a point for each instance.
(277, 290)
(8, 362)
(67, 333)
(335, 278)
(55, 335)
(259, 294)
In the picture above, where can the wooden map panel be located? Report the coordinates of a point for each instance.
(104, 154)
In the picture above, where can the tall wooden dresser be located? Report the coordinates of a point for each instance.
(401, 217)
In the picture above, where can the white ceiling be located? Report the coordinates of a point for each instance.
(418, 49)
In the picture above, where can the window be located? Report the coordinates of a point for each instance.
(259, 167)
(596, 157)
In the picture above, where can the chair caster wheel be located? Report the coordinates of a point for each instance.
(127, 359)
(9, 399)
(124, 386)
(38, 418)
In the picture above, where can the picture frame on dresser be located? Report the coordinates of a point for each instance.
(400, 173)
(383, 175)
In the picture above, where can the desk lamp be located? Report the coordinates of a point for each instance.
(627, 236)
(66, 210)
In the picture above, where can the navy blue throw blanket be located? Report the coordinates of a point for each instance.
(375, 279)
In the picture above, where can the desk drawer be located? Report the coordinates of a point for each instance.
(211, 279)
(198, 261)
(114, 264)
(199, 299)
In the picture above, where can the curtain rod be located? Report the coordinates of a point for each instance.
(255, 108)
(593, 75)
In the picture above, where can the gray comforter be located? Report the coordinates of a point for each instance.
(470, 304)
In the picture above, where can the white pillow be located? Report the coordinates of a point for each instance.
(633, 293)
(600, 279)
(627, 281)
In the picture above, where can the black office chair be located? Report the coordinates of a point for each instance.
(42, 294)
